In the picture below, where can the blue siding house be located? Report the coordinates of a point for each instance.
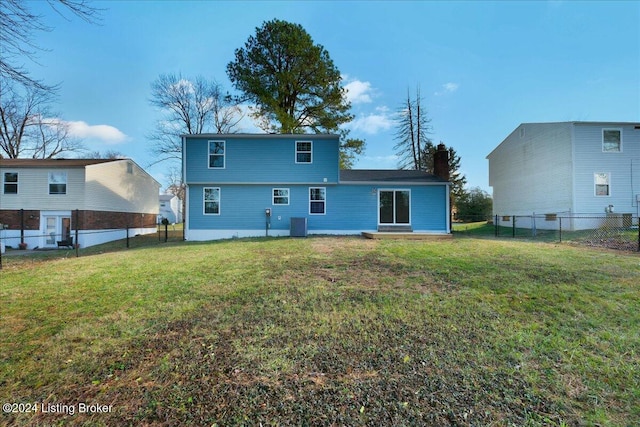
(245, 185)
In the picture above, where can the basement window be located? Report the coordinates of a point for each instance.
(602, 184)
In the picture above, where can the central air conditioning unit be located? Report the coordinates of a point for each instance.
(298, 227)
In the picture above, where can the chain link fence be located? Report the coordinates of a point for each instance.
(611, 230)
(16, 243)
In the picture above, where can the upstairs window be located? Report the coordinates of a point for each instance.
(611, 140)
(304, 151)
(602, 184)
(57, 183)
(216, 154)
(10, 183)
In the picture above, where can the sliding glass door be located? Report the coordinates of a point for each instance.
(395, 206)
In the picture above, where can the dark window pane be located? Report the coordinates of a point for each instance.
(402, 207)
(304, 158)
(216, 161)
(386, 207)
(317, 207)
(57, 188)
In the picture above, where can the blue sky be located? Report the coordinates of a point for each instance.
(482, 67)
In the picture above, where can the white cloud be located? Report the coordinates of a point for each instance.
(358, 92)
(374, 122)
(248, 124)
(105, 133)
(448, 88)
(378, 162)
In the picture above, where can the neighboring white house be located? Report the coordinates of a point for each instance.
(170, 208)
(44, 202)
(567, 168)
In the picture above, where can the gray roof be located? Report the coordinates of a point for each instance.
(298, 136)
(388, 175)
(48, 163)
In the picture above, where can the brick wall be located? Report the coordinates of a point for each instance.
(87, 220)
(13, 220)
(102, 220)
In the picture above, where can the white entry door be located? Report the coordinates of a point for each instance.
(56, 228)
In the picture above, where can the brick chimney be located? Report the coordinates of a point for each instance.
(441, 162)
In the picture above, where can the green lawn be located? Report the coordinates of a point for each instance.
(324, 331)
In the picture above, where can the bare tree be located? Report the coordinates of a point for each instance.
(413, 128)
(176, 186)
(18, 26)
(28, 128)
(189, 106)
(109, 154)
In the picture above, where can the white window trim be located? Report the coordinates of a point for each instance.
(224, 154)
(324, 201)
(273, 197)
(602, 146)
(204, 200)
(595, 192)
(17, 183)
(66, 183)
(301, 152)
(394, 214)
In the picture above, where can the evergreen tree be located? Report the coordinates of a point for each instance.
(294, 84)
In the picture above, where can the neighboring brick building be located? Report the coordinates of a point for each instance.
(43, 202)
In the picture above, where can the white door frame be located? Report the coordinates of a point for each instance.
(56, 218)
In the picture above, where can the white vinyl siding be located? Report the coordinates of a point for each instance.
(590, 159)
(110, 187)
(530, 171)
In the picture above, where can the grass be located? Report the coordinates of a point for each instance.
(326, 331)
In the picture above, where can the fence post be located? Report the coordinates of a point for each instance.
(127, 236)
(77, 233)
(166, 231)
(513, 226)
(560, 228)
(638, 234)
(496, 225)
(22, 226)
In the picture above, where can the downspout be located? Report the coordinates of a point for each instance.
(448, 191)
(185, 204)
(22, 226)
